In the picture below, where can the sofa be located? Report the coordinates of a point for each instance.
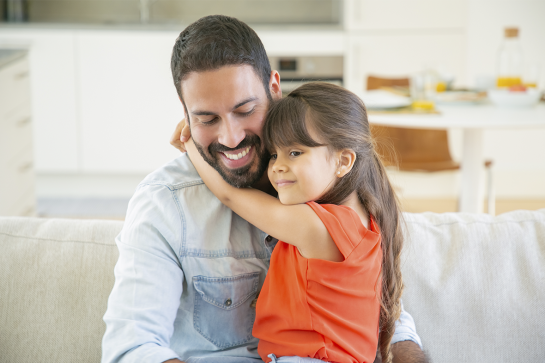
(475, 285)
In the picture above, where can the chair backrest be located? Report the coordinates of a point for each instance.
(410, 149)
(379, 82)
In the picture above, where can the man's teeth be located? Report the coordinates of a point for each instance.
(239, 155)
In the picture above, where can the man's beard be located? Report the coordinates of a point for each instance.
(242, 177)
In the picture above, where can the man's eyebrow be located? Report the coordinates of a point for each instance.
(250, 99)
(209, 113)
(203, 113)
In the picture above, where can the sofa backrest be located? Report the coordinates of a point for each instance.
(55, 279)
(475, 285)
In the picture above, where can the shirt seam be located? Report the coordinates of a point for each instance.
(183, 223)
(173, 187)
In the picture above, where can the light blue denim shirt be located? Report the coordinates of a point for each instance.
(188, 274)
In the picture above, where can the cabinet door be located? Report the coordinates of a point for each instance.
(52, 93)
(401, 54)
(303, 42)
(405, 14)
(128, 103)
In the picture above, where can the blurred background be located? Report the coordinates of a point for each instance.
(87, 103)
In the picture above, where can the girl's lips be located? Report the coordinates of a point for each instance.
(283, 183)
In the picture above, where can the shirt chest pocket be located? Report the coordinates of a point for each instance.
(225, 309)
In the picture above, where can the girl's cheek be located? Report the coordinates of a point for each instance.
(270, 173)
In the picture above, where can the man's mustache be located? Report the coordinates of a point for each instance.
(249, 140)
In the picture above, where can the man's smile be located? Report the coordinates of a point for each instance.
(237, 158)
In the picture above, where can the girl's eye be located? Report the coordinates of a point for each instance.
(295, 153)
(273, 156)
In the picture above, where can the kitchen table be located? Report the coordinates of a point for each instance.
(473, 119)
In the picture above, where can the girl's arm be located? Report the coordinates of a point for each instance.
(297, 224)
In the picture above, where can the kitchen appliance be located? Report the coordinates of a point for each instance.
(297, 70)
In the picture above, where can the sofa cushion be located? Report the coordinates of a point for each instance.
(55, 279)
(475, 285)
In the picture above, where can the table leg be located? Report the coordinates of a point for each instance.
(471, 195)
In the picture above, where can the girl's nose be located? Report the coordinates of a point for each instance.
(279, 166)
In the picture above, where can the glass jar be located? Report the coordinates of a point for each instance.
(510, 60)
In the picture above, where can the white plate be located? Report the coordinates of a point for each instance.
(380, 99)
(506, 98)
(459, 98)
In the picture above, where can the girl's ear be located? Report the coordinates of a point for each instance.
(347, 158)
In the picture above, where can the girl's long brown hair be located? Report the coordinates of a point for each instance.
(340, 118)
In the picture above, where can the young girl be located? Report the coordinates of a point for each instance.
(334, 276)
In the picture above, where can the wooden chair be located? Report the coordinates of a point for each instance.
(424, 150)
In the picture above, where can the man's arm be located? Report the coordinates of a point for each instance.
(406, 344)
(408, 352)
(143, 304)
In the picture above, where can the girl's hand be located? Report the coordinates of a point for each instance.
(181, 134)
(207, 173)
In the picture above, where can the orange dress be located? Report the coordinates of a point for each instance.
(322, 309)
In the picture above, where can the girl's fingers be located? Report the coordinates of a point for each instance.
(186, 132)
(176, 138)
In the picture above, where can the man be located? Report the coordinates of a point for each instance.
(189, 269)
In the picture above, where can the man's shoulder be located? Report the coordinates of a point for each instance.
(176, 174)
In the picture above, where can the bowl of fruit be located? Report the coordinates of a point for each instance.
(514, 96)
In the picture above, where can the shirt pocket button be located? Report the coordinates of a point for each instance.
(228, 302)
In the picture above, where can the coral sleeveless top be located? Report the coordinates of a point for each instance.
(322, 309)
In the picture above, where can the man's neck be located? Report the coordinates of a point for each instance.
(264, 184)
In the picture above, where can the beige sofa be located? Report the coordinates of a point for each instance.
(475, 286)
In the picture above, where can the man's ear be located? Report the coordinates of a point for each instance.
(274, 85)
(347, 158)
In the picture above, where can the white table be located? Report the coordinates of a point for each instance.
(472, 119)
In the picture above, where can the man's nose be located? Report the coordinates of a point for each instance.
(231, 134)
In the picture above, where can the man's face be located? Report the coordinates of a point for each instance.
(226, 110)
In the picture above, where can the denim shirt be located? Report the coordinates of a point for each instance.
(188, 276)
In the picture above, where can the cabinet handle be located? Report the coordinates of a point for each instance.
(23, 122)
(26, 167)
(21, 75)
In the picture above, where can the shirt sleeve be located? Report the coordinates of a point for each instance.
(146, 295)
(405, 329)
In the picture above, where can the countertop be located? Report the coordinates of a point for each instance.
(9, 55)
(158, 27)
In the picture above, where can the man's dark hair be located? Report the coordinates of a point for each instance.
(216, 41)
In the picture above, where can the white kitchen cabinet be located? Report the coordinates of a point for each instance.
(53, 94)
(128, 105)
(392, 55)
(303, 42)
(17, 197)
(392, 15)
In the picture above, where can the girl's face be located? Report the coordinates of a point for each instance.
(301, 174)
